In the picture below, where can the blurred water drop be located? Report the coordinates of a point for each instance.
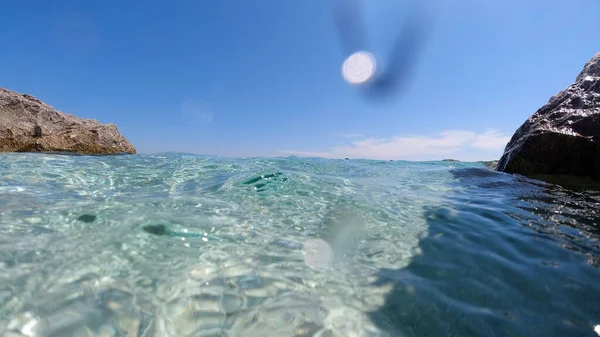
(317, 253)
(359, 68)
(76, 34)
(400, 61)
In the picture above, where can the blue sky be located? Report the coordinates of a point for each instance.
(262, 78)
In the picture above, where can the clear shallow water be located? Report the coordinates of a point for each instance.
(183, 245)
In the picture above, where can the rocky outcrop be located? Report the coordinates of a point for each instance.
(30, 125)
(491, 164)
(562, 137)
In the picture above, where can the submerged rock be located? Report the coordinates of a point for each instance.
(562, 137)
(155, 229)
(88, 218)
(30, 125)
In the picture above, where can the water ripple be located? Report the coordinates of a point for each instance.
(185, 245)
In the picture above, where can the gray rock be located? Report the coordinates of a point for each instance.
(491, 164)
(562, 137)
(30, 125)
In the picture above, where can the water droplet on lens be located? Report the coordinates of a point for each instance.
(359, 67)
(317, 253)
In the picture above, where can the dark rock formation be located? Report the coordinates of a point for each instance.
(29, 125)
(562, 137)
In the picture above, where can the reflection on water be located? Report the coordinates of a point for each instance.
(505, 257)
(181, 245)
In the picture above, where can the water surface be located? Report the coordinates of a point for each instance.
(185, 245)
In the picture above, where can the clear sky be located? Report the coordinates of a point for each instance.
(262, 77)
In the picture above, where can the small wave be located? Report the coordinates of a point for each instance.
(186, 245)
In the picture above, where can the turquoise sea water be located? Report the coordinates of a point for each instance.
(185, 245)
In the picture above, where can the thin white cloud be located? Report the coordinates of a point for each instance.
(491, 140)
(457, 144)
(195, 112)
(349, 135)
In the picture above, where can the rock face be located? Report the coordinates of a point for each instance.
(491, 164)
(29, 125)
(562, 137)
